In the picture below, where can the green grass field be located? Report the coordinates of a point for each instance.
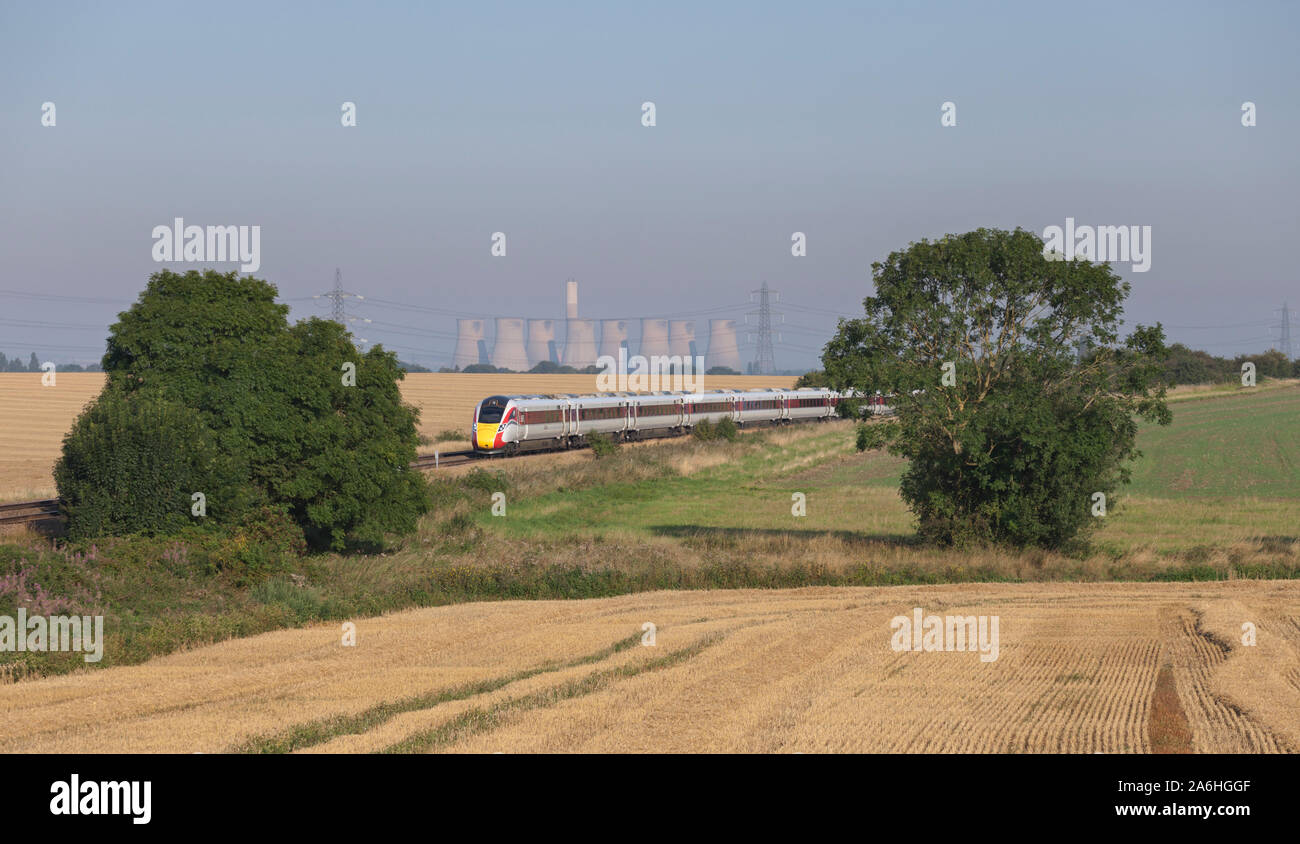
(1226, 470)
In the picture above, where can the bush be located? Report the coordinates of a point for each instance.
(304, 602)
(602, 445)
(132, 463)
(815, 378)
(485, 480)
(703, 430)
(872, 436)
(726, 429)
(315, 425)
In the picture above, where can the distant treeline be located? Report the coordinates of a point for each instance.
(1183, 366)
(34, 365)
(1193, 366)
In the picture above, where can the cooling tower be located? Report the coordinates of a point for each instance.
(681, 338)
(571, 299)
(580, 343)
(654, 337)
(541, 341)
(470, 343)
(508, 350)
(723, 350)
(613, 334)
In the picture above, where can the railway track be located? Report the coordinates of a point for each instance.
(437, 461)
(25, 512)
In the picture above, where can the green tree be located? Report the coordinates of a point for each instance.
(1008, 434)
(815, 378)
(550, 367)
(1270, 364)
(132, 463)
(317, 426)
(1189, 366)
(346, 475)
(33, 365)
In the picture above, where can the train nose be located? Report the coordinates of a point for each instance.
(486, 435)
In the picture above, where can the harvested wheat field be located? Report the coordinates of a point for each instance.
(34, 418)
(1109, 668)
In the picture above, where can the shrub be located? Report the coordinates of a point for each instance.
(316, 425)
(703, 430)
(872, 436)
(304, 602)
(602, 445)
(485, 480)
(726, 429)
(131, 464)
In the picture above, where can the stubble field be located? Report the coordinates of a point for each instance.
(1081, 668)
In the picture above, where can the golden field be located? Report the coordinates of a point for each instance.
(1082, 668)
(34, 418)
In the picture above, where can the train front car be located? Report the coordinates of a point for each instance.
(495, 420)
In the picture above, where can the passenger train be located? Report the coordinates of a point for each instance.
(512, 424)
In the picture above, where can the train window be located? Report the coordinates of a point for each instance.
(541, 417)
(490, 415)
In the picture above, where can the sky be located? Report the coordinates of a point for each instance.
(526, 119)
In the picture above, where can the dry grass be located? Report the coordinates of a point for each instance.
(1183, 392)
(733, 671)
(34, 418)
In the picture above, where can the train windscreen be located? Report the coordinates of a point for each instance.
(490, 413)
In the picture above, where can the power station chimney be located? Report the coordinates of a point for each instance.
(471, 344)
(613, 334)
(571, 299)
(723, 348)
(508, 350)
(541, 341)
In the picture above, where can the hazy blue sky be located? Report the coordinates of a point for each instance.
(772, 118)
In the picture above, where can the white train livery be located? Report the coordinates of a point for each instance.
(511, 424)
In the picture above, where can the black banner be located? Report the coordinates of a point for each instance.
(637, 794)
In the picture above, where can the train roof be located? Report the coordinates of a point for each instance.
(659, 393)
